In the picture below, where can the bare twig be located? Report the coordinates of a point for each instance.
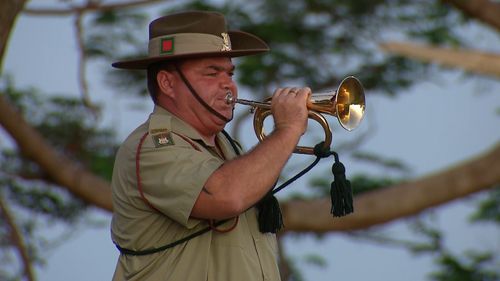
(17, 239)
(88, 7)
(79, 12)
(82, 62)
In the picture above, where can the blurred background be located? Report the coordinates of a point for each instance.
(430, 70)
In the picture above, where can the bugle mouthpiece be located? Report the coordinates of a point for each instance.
(230, 98)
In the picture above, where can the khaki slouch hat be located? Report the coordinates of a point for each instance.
(194, 34)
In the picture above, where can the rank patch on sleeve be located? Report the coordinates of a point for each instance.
(162, 138)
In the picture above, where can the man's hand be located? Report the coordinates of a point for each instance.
(289, 109)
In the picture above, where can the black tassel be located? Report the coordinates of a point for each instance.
(341, 191)
(269, 217)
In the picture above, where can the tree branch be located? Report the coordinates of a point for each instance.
(8, 13)
(469, 60)
(64, 172)
(483, 10)
(88, 7)
(399, 201)
(82, 59)
(17, 239)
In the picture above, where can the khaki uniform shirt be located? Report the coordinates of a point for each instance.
(173, 174)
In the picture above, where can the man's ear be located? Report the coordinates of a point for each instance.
(165, 83)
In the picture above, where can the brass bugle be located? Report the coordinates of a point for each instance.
(347, 103)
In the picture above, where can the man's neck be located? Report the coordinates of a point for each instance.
(208, 136)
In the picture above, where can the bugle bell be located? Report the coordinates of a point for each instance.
(347, 103)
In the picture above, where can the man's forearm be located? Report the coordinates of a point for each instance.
(243, 181)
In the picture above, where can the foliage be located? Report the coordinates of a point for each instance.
(115, 32)
(313, 42)
(469, 266)
(70, 127)
(489, 209)
(472, 266)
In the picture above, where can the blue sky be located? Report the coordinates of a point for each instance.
(445, 120)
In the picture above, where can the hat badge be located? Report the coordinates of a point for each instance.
(226, 43)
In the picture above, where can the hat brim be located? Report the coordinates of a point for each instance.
(242, 44)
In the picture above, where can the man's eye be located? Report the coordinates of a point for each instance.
(213, 74)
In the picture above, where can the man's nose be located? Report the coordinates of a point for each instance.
(228, 82)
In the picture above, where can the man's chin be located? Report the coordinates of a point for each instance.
(227, 113)
(228, 117)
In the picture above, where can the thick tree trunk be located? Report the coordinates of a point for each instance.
(399, 201)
